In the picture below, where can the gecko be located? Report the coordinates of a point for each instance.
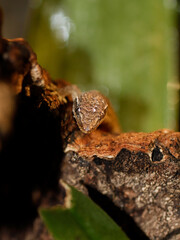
(90, 109)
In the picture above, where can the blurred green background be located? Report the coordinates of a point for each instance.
(126, 49)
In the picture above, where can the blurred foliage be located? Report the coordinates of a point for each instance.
(125, 49)
(15, 15)
(82, 220)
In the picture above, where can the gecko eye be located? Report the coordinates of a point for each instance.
(78, 110)
(157, 154)
(94, 109)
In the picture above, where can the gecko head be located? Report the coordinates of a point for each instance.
(89, 110)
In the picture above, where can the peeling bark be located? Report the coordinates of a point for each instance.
(139, 172)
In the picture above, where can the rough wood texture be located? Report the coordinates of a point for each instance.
(138, 172)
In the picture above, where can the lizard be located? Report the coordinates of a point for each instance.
(90, 108)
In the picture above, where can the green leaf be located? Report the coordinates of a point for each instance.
(83, 220)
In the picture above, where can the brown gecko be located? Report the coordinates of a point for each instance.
(90, 109)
